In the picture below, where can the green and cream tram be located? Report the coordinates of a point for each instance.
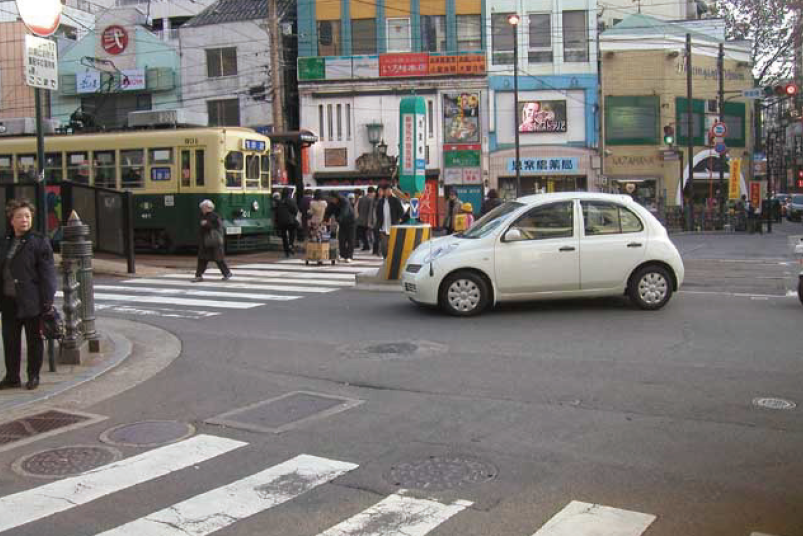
(169, 172)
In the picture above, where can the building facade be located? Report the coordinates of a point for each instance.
(558, 114)
(644, 88)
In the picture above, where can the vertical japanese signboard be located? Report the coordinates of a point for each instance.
(412, 121)
(735, 172)
(461, 135)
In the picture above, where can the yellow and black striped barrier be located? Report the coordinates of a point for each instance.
(403, 240)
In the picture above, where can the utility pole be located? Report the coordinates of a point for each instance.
(276, 75)
(721, 75)
(689, 133)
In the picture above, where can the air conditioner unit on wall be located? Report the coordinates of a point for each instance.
(712, 106)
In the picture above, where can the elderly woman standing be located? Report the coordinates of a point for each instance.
(210, 242)
(28, 277)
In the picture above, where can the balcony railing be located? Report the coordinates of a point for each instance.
(167, 35)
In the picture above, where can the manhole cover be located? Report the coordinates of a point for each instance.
(441, 473)
(65, 461)
(393, 350)
(46, 423)
(147, 433)
(774, 403)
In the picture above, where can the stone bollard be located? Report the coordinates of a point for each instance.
(73, 340)
(78, 247)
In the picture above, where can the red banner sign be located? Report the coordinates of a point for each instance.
(404, 64)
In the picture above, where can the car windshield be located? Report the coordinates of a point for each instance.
(797, 199)
(490, 221)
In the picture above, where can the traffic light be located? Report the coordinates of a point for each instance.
(800, 178)
(781, 89)
(669, 135)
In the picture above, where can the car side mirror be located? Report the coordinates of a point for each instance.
(513, 235)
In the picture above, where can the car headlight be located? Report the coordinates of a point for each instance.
(438, 252)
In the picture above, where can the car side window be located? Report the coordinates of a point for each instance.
(550, 221)
(600, 218)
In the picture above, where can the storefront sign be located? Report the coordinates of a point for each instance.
(114, 40)
(412, 121)
(542, 116)
(461, 118)
(87, 82)
(545, 166)
(755, 195)
(471, 194)
(395, 65)
(335, 157)
(338, 68)
(428, 210)
(311, 69)
(734, 173)
(636, 161)
(365, 66)
(472, 176)
(132, 79)
(461, 159)
(453, 176)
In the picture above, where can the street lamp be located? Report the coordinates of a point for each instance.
(513, 19)
(374, 133)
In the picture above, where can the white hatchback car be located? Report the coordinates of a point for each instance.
(548, 246)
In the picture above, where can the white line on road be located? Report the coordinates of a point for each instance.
(398, 515)
(303, 268)
(733, 294)
(38, 503)
(585, 519)
(224, 506)
(173, 301)
(228, 284)
(265, 274)
(356, 263)
(156, 311)
(202, 293)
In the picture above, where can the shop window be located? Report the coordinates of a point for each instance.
(540, 33)
(469, 33)
(234, 169)
(221, 62)
(105, 169)
(78, 167)
(398, 35)
(502, 39)
(433, 33)
(132, 169)
(575, 36)
(363, 36)
(329, 37)
(632, 120)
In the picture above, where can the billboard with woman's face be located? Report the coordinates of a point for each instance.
(542, 116)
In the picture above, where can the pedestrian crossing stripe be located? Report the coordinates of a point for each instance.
(420, 516)
(133, 298)
(327, 268)
(38, 503)
(284, 277)
(580, 519)
(199, 293)
(230, 284)
(224, 506)
(166, 312)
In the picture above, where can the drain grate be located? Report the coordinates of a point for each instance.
(441, 473)
(40, 424)
(285, 412)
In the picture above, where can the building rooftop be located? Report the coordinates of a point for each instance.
(224, 11)
(644, 25)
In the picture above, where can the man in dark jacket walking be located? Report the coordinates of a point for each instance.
(28, 282)
(346, 226)
(286, 222)
(389, 212)
(365, 208)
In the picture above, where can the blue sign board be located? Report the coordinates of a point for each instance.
(160, 174)
(415, 205)
(470, 194)
(545, 166)
(254, 145)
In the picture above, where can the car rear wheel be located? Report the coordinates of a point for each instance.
(800, 289)
(650, 287)
(464, 294)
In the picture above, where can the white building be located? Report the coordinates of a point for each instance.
(225, 64)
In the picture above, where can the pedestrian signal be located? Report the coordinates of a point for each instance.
(669, 135)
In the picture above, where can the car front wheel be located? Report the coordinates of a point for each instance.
(650, 287)
(464, 294)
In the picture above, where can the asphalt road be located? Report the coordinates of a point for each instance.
(520, 411)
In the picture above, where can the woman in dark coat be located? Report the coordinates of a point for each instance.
(28, 282)
(211, 227)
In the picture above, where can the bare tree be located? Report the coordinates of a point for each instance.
(772, 26)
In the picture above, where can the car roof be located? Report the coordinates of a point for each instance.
(566, 196)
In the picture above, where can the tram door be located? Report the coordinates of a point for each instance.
(192, 168)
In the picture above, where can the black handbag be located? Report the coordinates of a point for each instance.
(52, 325)
(213, 239)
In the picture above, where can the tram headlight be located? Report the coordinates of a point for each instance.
(255, 206)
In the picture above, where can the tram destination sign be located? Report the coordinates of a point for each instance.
(41, 63)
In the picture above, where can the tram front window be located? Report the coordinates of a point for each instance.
(234, 169)
(252, 172)
(265, 171)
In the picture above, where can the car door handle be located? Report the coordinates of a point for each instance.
(566, 248)
(634, 245)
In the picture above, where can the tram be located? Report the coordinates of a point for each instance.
(169, 172)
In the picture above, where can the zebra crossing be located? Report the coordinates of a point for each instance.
(254, 285)
(210, 511)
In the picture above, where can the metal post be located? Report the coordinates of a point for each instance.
(77, 246)
(689, 131)
(72, 341)
(40, 161)
(721, 75)
(516, 105)
(128, 230)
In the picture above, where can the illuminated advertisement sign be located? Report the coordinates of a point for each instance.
(542, 116)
